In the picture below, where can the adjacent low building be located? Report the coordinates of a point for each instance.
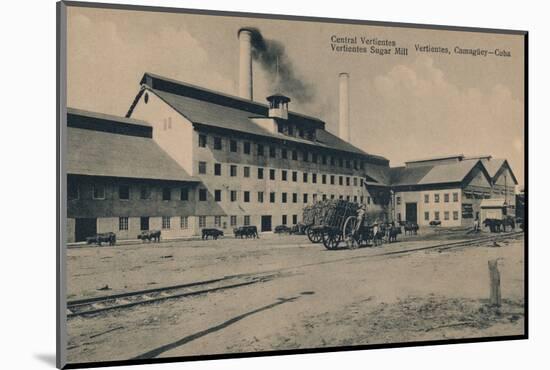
(120, 180)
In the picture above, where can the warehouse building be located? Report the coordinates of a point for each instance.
(119, 180)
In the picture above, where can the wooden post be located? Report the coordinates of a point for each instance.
(494, 277)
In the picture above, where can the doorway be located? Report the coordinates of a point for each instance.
(411, 212)
(266, 223)
(85, 227)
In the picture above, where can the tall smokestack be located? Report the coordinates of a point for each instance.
(245, 63)
(344, 107)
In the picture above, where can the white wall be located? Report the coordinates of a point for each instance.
(432, 207)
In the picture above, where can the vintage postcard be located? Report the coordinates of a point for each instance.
(236, 185)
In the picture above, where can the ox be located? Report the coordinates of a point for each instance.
(150, 235)
(109, 237)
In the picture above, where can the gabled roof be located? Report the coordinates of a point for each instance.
(213, 109)
(455, 172)
(94, 152)
(496, 166)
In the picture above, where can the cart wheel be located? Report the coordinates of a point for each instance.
(331, 240)
(314, 236)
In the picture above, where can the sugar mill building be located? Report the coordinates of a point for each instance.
(185, 158)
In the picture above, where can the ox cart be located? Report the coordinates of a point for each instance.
(331, 222)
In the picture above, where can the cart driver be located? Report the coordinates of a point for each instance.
(361, 211)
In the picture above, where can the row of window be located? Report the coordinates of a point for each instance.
(260, 173)
(282, 153)
(184, 222)
(436, 215)
(124, 192)
(446, 198)
(285, 197)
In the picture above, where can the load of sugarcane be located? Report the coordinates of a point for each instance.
(329, 212)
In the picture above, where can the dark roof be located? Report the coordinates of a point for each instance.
(97, 153)
(209, 108)
(80, 118)
(433, 174)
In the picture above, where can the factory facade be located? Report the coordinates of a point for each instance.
(187, 158)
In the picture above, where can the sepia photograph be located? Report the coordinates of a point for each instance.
(241, 184)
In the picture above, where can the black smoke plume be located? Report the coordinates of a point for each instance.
(271, 55)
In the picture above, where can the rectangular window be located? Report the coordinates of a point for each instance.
(246, 147)
(332, 161)
(217, 221)
(272, 197)
(446, 197)
(217, 169)
(325, 197)
(233, 170)
(455, 197)
(166, 194)
(123, 223)
(260, 173)
(340, 162)
(305, 176)
(436, 198)
(202, 195)
(347, 198)
(324, 159)
(284, 198)
(446, 215)
(184, 222)
(233, 146)
(332, 196)
(305, 156)
(260, 149)
(355, 181)
(246, 170)
(246, 197)
(426, 198)
(184, 194)
(398, 200)
(348, 181)
(218, 195)
(202, 221)
(202, 168)
(294, 155)
(217, 143)
(144, 193)
(348, 163)
(284, 175)
(246, 220)
(144, 223)
(260, 197)
(272, 152)
(355, 198)
(355, 164)
(294, 176)
(284, 220)
(294, 197)
(284, 153)
(233, 220)
(332, 179)
(341, 180)
(73, 191)
(341, 197)
(305, 197)
(99, 191)
(314, 198)
(294, 219)
(124, 192)
(233, 195)
(455, 215)
(314, 178)
(290, 130)
(436, 215)
(324, 179)
(272, 174)
(202, 141)
(165, 222)
(426, 216)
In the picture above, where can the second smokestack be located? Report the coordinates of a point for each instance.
(245, 63)
(343, 124)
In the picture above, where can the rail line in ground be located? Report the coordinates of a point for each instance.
(95, 305)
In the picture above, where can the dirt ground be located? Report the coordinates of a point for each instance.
(316, 298)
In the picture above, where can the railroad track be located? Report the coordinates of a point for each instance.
(95, 305)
